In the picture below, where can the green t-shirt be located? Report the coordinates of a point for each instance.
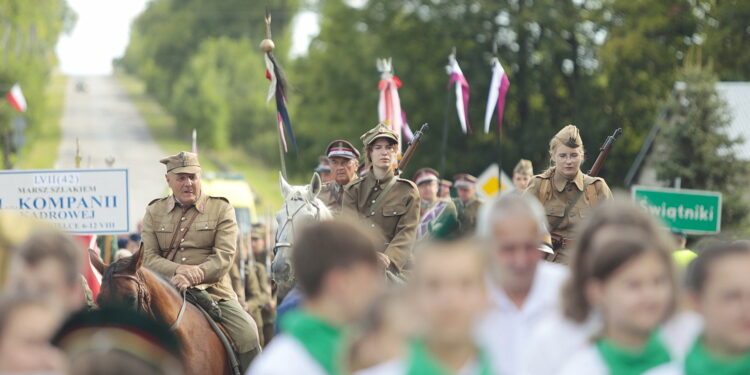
(621, 361)
(700, 361)
(322, 340)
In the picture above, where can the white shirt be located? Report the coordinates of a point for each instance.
(399, 367)
(504, 330)
(285, 356)
(553, 341)
(678, 335)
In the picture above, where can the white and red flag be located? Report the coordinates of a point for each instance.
(16, 99)
(496, 98)
(389, 103)
(462, 92)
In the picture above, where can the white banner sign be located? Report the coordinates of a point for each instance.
(78, 201)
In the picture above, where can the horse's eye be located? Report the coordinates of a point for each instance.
(131, 299)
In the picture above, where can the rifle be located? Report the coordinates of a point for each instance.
(412, 146)
(603, 152)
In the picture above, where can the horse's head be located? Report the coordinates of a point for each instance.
(301, 204)
(122, 282)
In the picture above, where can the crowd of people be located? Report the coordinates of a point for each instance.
(553, 277)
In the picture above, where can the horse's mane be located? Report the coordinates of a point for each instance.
(125, 263)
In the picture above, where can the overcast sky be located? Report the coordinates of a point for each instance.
(103, 29)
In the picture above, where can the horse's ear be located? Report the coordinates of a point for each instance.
(136, 260)
(285, 187)
(97, 262)
(316, 184)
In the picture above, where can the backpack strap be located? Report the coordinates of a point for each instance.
(591, 194)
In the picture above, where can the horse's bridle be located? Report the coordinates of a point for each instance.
(144, 299)
(290, 221)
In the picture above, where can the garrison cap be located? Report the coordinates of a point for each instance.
(184, 162)
(343, 149)
(379, 131)
(570, 136)
(524, 167)
(465, 180)
(426, 175)
(258, 231)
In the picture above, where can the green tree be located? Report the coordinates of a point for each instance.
(694, 145)
(727, 34)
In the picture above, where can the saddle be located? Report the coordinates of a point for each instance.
(211, 311)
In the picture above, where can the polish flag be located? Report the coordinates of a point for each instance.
(16, 99)
(462, 92)
(93, 278)
(496, 98)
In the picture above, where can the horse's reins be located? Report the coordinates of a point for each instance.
(290, 221)
(143, 298)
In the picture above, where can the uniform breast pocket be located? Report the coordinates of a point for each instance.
(164, 232)
(203, 233)
(394, 210)
(555, 210)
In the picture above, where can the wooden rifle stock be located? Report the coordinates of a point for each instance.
(603, 152)
(412, 146)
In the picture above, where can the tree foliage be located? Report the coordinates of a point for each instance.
(694, 145)
(29, 31)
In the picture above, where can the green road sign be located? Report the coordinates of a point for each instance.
(693, 211)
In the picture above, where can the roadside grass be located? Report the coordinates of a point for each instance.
(43, 141)
(262, 179)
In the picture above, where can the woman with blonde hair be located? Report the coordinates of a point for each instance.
(522, 174)
(566, 193)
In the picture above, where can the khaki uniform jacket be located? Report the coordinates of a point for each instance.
(561, 192)
(467, 214)
(211, 240)
(332, 194)
(397, 218)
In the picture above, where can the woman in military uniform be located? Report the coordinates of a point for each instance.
(565, 191)
(384, 201)
(522, 174)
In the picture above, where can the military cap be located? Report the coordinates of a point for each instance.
(379, 131)
(426, 175)
(184, 162)
(570, 136)
(524, 167)
(465, 180)
(258, 231)
(343, 149)
(323, 164)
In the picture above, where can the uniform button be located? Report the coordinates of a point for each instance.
(182, 218)
(373, 225)
(394, 212)
(184, 259)
(372, 213)
(373, 201)
(182, 240)
(182, 229)
(162, 228)
(376, 188)
(182, 248)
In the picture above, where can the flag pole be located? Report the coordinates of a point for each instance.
(446, 113)
(267, 46)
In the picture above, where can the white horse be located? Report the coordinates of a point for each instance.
(301, 204)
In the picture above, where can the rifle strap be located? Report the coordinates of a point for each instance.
(379, 200)
(569, 207)
(175, 241)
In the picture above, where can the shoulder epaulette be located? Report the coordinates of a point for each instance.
(410, 182)
(156, 200)
(222, 198)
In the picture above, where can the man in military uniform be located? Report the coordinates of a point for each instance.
(566, 193)
(343, 158)
(191, 238)
(467, 203)
(324, 169)
(257, 289)
(383, 200)
(267, 299)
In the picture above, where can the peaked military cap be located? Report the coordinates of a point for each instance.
(426, 175)
(464, 180)
(379, 131)
(343, 149)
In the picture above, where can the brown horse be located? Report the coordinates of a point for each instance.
(126, 282)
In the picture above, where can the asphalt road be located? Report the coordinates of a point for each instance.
(108, 126)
